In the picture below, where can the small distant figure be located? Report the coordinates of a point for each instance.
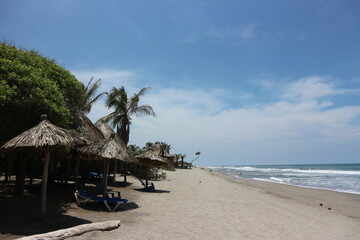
(321, 204)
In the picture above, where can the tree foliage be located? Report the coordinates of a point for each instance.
(90, 95)
(124, 109)
(31, 85)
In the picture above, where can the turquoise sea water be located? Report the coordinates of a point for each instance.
(335, 177)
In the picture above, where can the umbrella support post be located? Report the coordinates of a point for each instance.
(44, 185)
(105, 176)
(125, 175)
(147, 177)
(115, 169)
(76, 175)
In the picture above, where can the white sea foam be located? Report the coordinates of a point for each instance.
(292, 170)
(341, 177)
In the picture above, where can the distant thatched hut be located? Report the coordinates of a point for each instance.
(150, 158)
(165, 155)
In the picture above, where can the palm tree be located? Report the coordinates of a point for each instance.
(182, 156)
(134, 149)
(124, 109)
(89, 95)
(164, 148)
(148, 146)
(177, 157)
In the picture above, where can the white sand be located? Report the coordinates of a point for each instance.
(206, 205)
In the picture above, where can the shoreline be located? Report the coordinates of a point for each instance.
(329, 198)
(288, 168)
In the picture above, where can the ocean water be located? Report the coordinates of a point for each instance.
(335, 177)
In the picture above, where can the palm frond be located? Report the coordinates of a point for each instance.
(89, 93)
(143, 110)
(134, 101)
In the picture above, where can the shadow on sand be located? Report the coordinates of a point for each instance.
(21, 215)
(156, 191)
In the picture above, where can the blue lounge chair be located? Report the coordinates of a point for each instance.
(83, 197)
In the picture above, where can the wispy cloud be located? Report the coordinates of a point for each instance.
(109, 77)
(283, 130)
(314, 87)
(236, 33)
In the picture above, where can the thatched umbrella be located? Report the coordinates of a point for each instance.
(90, 132)
(104, 128)
(149, 158)
(47, 137)
(111, 148)
(107, 132)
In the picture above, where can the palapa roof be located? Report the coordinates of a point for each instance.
(112, 147)
(88, 130)
(109, 148)
(45, 135)
(104, 128)
(151, 158)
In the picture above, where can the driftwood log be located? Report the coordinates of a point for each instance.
(75, 231)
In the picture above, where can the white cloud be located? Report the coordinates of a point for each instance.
(282, 131)
(109, 77)
(315, 87)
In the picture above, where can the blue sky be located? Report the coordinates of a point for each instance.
(244, 82)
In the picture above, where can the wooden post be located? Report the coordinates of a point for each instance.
(44, 184)
(115, 168)
(105, 176)
(125, 175)
(147, 176)
(76, 171)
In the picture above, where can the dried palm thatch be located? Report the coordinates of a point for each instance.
(109, 148)
(88, 130)
(151, 158)
(107, 132)
(45, 136)
(104, 128)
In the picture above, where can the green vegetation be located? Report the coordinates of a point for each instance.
(31, 85)
(124, 109)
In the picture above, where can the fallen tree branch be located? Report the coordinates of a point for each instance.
(75, 231)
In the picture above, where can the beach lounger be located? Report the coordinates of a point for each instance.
(83, 197)
(95, 177)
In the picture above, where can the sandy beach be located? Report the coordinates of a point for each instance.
(201, 204)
